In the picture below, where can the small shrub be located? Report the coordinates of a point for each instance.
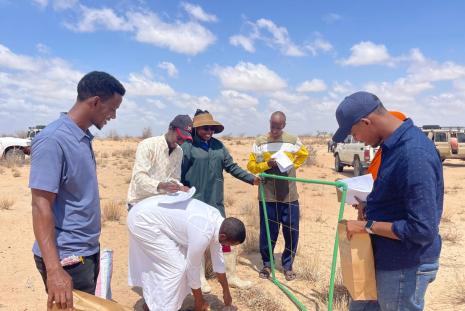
(113, 135)
(252, 242)
(146, 133)
(6, 203)
(112, 210)
(312, 156)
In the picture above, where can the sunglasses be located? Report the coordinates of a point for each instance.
(208, 128)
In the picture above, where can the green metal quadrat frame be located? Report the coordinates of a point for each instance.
(337, 184)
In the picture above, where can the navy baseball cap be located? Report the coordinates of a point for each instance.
(351, 110)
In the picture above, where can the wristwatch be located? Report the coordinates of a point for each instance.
(369, 226)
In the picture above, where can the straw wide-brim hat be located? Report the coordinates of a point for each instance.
(207, 119)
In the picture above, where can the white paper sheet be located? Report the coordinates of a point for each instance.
(284, 163)
(176, 197)
(359, 186)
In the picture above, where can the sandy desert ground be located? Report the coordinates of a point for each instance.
(21, 287)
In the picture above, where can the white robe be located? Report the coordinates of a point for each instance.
(166, 245)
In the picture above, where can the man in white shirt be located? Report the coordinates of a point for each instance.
(157, 168)
(166, 244)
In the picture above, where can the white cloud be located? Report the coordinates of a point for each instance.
(64, 4)
(57, 5)
(238, 100)
(288, 97)
(331, 18)
(319, 45)
(273, 35)
(41, 3)
(169, 67)
(429, 70)
(279, 38)
(245, 42)
(142, 84)
(42, 48)
(91, 19)
(249, 77)
(187, 38)
(401, 91)
(181, 37)
(459, 85)
(157, 103)
(198, 13)
(314, 85)
(368, 53)
(34, 89)
(10, 60)
(341, 89)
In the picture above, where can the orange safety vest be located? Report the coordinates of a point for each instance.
(376, 162)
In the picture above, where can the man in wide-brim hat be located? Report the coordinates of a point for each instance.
(202, 167)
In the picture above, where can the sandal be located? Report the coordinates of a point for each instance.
(265, 273)
(289, 275)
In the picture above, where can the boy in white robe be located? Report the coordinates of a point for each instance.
(167, 240)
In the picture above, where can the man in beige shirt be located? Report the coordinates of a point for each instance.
(157, 168)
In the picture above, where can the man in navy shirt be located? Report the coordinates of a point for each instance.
(403, 211)
(65, 197)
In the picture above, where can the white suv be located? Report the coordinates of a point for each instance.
(353, 153)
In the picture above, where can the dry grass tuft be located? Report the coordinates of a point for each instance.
(319, 218)
(341, 296)
(105, 155)
(12, 163)
(258, 300)
(16, 173)
(113, 210)
(457, 295)
(308, 269)
(128, 153)
(452, 235)
(446, 217)
(6, 203)
(229, 201)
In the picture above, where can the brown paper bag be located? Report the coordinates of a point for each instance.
(357, 264)
(87, 302)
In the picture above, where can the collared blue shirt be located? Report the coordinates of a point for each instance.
(62, 162)
(409, 193)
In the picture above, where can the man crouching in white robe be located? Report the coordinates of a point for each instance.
(166, 244)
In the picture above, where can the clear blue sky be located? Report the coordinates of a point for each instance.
(241, 60)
